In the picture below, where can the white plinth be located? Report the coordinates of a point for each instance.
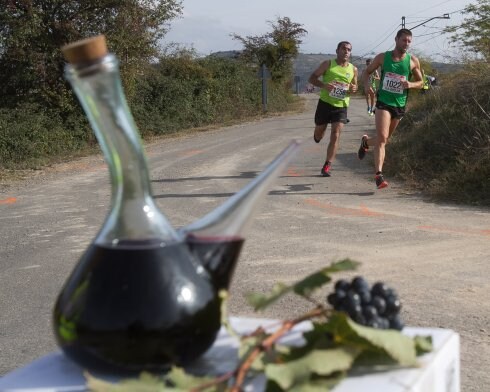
(439, 370)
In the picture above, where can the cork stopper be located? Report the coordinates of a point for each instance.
(86, 50)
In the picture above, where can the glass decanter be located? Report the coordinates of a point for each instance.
(144, 296)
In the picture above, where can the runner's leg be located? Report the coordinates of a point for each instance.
(319, 132)
(334, 140)
(371, 99)
(393, 124)
(383, 122)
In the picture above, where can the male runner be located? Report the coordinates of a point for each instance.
(398, 67)
(339, 77)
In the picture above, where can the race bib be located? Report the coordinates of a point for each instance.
(393, 83)
(339, 90)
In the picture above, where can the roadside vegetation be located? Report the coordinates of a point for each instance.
(176, 94)
(442, 146)
(169, 89)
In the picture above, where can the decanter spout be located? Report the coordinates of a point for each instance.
(231, 218)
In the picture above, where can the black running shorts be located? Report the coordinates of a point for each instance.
(395, 112)
(326, 113)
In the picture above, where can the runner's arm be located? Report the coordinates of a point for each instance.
(353, 84)
(418, 81)
(314, 77)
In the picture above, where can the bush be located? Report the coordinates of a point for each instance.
(178, 93)
(443, 143)
(32, 136)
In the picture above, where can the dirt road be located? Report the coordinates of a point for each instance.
(436, 255)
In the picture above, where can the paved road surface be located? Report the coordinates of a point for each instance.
(436, 255)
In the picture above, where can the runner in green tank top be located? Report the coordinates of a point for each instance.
(400, 72)
(339, 78)
(371, 93)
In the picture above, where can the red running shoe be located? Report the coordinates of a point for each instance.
(380, 181)
(326, 169)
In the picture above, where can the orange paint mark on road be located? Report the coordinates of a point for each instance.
(10, 200)
(190, 153)
(485, 233)
(362, 211)
(292, 172)
(367, 212)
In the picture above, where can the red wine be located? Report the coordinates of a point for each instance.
(219, 256)
(142, 306)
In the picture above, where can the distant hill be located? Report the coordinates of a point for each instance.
(306, 63)
(230, 54)
(443, 68)
(303, 65)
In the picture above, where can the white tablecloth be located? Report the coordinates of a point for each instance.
(439, 370)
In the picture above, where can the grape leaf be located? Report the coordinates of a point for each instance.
(316, 362)
(260, 301)
(145, 383)
(184, 381)
(304, 287)
(318, 336)
(174, 381)
(423, 344)
(318, 279)
(314, 340)
(393, 343)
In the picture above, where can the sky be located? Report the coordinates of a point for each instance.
(370, 25)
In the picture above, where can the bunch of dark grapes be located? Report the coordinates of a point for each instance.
(376, 307)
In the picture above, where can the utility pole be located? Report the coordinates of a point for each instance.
(444, 16)
(264, 74)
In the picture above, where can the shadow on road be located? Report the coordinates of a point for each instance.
(249, 174)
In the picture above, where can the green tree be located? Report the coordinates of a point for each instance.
(275, 49)
(32, 32)
(474, 32)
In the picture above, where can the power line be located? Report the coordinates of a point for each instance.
(433, 33)
(387, 37)
(431, 38)
(435, 25)
(429, 8)
(444, 16)
(429, 27)
(434, 6)
(455, 12)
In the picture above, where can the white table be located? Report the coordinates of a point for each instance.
(439, 370)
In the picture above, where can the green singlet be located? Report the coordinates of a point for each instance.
(393, 73)
(341, 77)
(372, 81)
